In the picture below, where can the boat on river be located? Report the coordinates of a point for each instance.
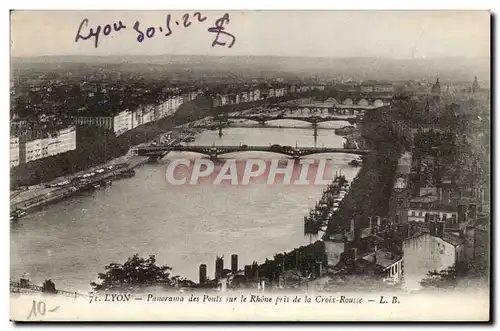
(17, 214)
(106, 183)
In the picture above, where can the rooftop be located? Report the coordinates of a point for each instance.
(448, 237)
(382, 258)
(453, 239)
(404, 163)
(429, 198)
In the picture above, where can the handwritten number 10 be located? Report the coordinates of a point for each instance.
(39, 308)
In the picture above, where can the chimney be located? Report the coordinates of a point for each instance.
(453, 220)
(462, 213)
(440, 194)
(473, 210)
(370, 223)
(234, 263)
(248, 271)
(446, 196)
(352, 224)
(440, 228)
(432, 228)
(346, 242)
(203, 273)
(378, 223)
(219, 267)
(255, 270)
(357, 236)
(318, 270)
(354, 253)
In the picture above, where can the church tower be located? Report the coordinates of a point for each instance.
(475, 86)
(436, 91)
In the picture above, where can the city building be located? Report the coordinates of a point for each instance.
(122, 122)
(434, 249)
(254, 95)
(477, 236)
(387, 264)
(436, 91)
(14, 151)
(364, 88)
(106, 122)
(62, 141)
(398, 202)
(34, 145)
(361, 249)
(383, 88)
(475, 85)
(127, 120)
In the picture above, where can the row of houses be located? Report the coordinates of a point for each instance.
(448, 219)
(126, 120)
(256, 94)
(37, 144)
(376, 88)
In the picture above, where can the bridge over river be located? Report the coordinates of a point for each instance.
(158, 152)
(262, 119)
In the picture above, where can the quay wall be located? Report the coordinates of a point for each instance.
(44, 199)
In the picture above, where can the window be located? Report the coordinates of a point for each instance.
(396, 269)
(412, 213)
(420, 214)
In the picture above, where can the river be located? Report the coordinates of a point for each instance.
(72, 241)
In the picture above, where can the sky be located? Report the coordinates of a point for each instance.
(387, 34)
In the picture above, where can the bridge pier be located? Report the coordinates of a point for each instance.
(220, 131)
(315, 133)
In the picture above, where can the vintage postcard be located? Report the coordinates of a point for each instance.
(250, 165)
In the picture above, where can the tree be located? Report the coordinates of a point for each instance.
(49, 287)
(440, 279)
(135, 273)
(446, 278)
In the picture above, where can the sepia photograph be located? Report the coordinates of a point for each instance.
(252, 165)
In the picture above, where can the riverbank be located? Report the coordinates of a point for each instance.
(35, 197)
(371, 189)
(36, 193)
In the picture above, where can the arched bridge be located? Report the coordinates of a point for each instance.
(262, 119)
(331, 108)
(157, 152)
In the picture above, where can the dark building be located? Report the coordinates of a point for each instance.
(436, 91)
(203, 273)
(248, 271)
(219, 267)
(436, 88)
(234, 263)
(475, 85)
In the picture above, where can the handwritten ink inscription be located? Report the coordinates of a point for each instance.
(218, 31)
(106, 30)
(40, 308)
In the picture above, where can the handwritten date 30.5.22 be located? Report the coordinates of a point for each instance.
(144, 32)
